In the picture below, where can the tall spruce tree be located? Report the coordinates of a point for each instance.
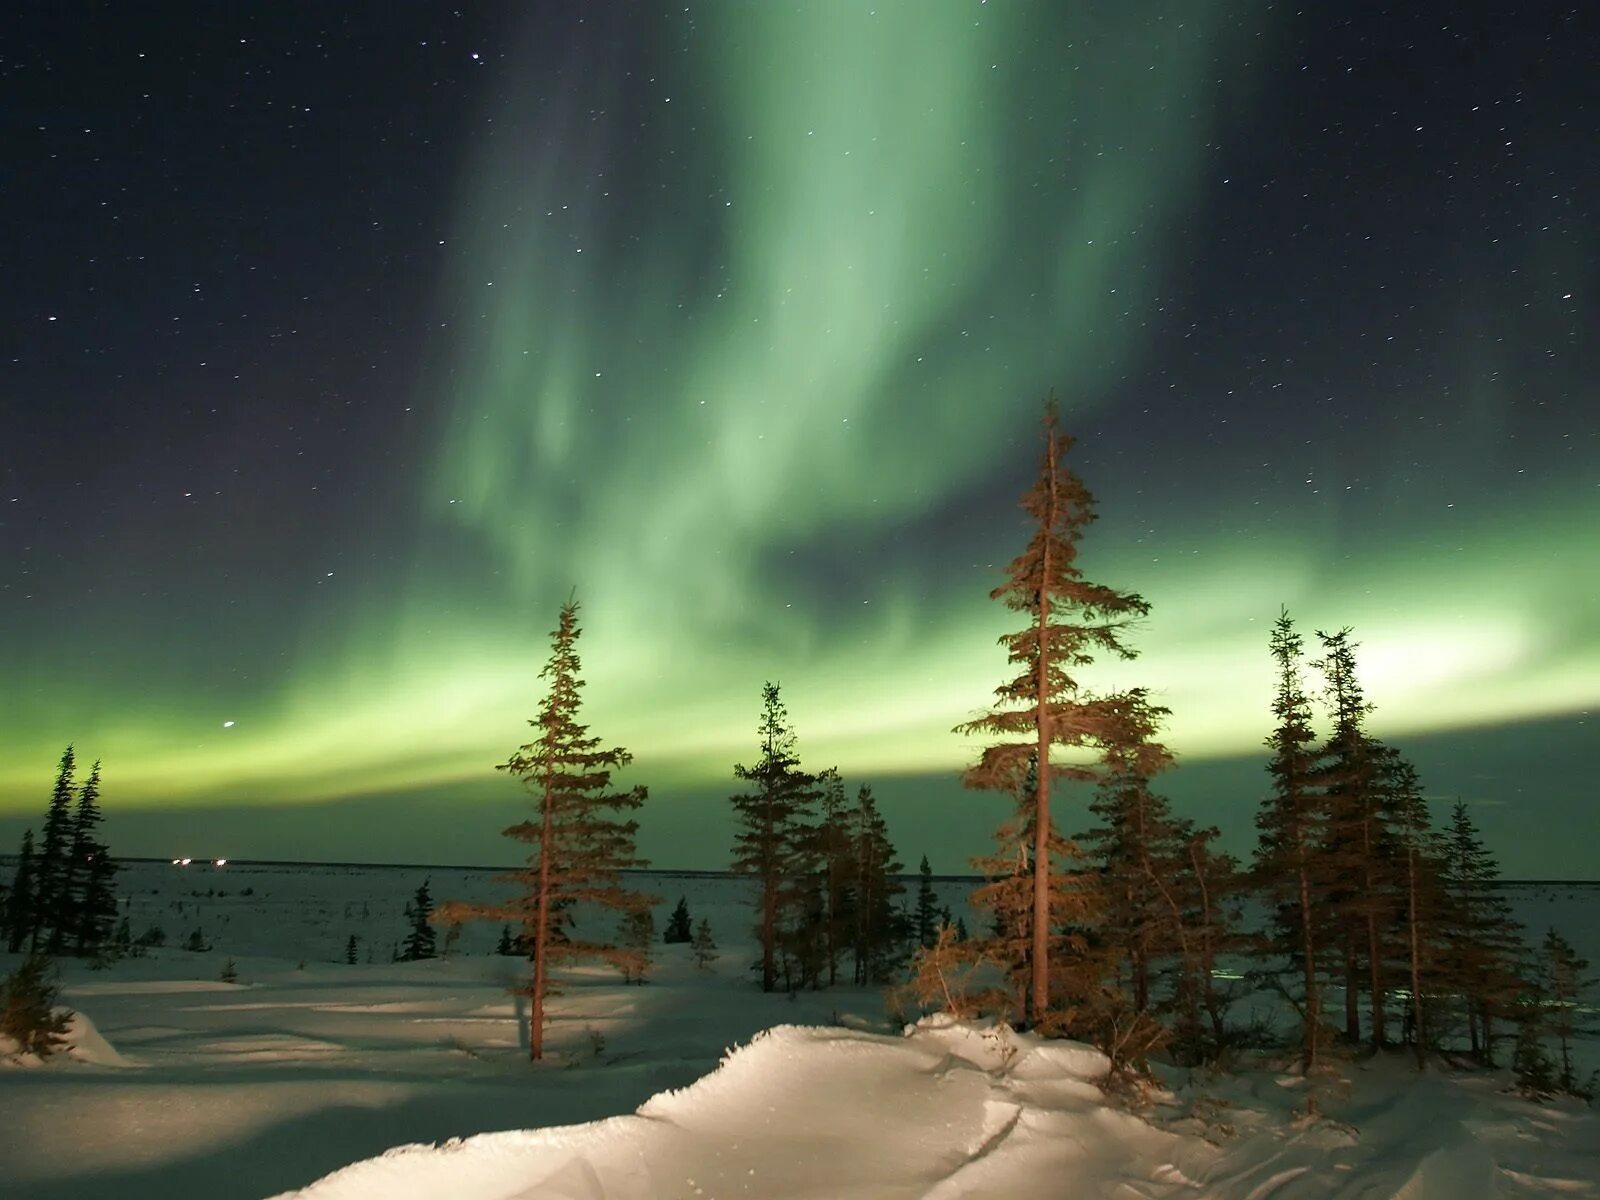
(1563, 979)
(834, 854)
(1357, 846)
(18, 915)
(927, 915)
(1483, 945)
(52, 903)
(1140, 850)
(579, 841)
(774, 838)
(1291, 823)
(877, 925)
(1070, 622)
(93, 905)
(1422, 902)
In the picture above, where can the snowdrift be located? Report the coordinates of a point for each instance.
(953, 1110)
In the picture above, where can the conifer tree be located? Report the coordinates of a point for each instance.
(19, 911)
(1215, 890)
(876, 926)
(506, 946)
(1139, 850)
(927, 914)
(834, 853)
(1357, 846)
(580, 842)
(1563, 981)
(92, 904)
(52, 901)
(1423, 902)
(350, 950)
(1070, 622)
(636, 933)
(28, 1015)
(1483, 945)
(680, 927)
(773, 835)
(421, 941)
(1073, 907)
(1291, 823)
(704, 949)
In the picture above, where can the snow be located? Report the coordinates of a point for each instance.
(410, 1080)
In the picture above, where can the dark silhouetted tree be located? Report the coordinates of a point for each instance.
(421, 942)
(773, 838)
(92, 905)
(877, 926)
(1071, 621)
(927, 913)
(1357, 849)
(1563, 980)
(834, 853)
(19, 911)
(1483, 945)
(1291, 825)
(350, 950)
(680, 927)
(52, 906)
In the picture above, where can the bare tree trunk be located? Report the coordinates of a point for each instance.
(1352, 989)
(1418, 1029)
(1041, 816)
(541, 931)
(1308, 959)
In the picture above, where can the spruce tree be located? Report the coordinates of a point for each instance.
(28, 1014)
(1139, 850)
(1563, 982)
(18, 921)
(1358, 846)
(773, 839)
(636, 934)
(421, 942)
(52, 907)
(93, 905)
(1070, 622)
(1291, 823)
(927, 914)
(834, 852)
(876, 921)
(1422, 903)
(1483, 945)
(680, 927)
(580, 842)
(704, 949)
(350, 950)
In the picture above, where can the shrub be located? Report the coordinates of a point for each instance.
(28, 1014)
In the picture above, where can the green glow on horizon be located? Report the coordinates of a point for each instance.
(842, 317)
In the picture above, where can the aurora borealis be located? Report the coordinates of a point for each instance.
(342, 350)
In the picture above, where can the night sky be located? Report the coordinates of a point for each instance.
(342, 342)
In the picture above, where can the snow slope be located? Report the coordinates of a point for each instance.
(183, 1085)
(956, 1111)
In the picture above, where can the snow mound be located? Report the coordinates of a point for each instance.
(800, 1111)
(82, 1042)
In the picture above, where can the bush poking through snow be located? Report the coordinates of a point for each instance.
(28, 1015)
(230, 971)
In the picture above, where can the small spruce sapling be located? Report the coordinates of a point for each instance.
(28, 1015)
(350, 950)
(705, 950)
(230, 971)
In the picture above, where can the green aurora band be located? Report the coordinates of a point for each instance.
(726, 393)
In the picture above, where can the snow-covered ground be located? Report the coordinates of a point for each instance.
(183, 1085)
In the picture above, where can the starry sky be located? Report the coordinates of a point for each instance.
(343, 342)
